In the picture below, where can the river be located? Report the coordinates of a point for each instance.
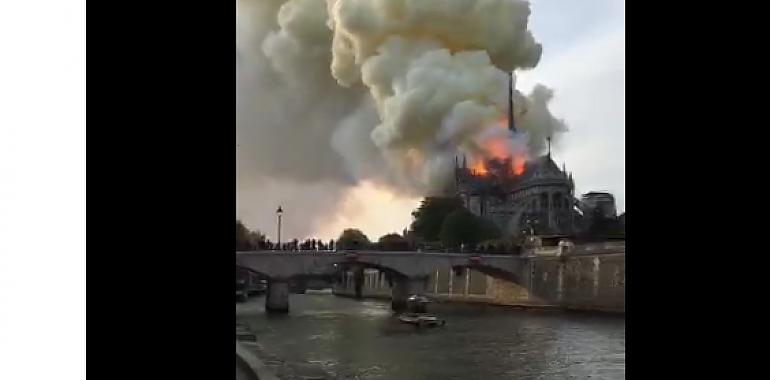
(360, 339)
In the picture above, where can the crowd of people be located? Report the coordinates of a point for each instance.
(318, 245)
(295, 245)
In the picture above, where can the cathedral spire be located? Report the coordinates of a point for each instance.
(465, 164)
(511, 125)
(549, 146)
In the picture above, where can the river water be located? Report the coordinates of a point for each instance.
(361, 339)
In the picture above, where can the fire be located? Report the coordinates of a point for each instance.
(479, 168)
(518, 164)
(499, 149)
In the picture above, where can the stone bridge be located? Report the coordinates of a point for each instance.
(408, 271)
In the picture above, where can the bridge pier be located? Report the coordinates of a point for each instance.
(277, 300)
(358, 281)
(403, 288)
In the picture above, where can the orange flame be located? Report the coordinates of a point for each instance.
(479, 168)
(498, 149)
(518, 164)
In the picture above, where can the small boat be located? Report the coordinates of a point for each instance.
(421, 320)
(416, 314)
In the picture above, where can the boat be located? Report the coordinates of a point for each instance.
(417, 304)
(416, 314)
(421, 320)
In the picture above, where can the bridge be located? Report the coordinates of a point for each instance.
(408, 271)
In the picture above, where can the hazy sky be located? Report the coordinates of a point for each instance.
(583, 62)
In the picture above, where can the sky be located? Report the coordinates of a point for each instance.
(583, 61)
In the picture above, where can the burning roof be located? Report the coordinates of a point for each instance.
(503, 175)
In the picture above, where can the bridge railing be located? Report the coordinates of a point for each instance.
(595, 248)
(581, 249)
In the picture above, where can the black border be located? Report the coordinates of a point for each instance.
(161, 195)
(688, 288)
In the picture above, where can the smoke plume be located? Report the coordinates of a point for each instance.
(379, 91)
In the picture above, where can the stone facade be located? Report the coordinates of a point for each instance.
(542, 195)
(588, 281)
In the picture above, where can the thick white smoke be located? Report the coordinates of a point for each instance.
(285, 118)
(435, 71)
(385, 91)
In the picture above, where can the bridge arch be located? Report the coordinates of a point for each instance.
(407, 272)
(245, 269)
(366, 264)
(357, 266)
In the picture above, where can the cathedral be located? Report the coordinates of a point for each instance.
(541, 197)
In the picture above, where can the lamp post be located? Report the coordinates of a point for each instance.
(279, 212)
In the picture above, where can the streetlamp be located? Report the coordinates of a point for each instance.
(280, 213)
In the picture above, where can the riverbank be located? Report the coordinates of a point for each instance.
(250, 364)
(485, 302)
(593, 282)
(257, 363)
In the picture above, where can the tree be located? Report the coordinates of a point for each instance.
(392, 242)
(602, 227)
(429, 217)
(246, 240)
(241, 236)
(352, 238)
(598, 223)
(488, 230)
(256, 240)
(462, 227)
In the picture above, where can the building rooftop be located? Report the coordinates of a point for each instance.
(598, 193)
(538, 169)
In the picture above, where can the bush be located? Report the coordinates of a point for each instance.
(392, 242)
(352, 238)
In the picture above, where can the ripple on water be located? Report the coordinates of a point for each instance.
(330, 335)
(361, 340)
